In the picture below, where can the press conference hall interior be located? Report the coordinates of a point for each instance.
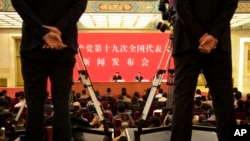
(131, 39)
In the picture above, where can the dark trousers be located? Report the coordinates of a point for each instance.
(217, 69)
(37, 66)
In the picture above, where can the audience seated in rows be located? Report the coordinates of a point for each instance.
(163, 98)
(90, 106)
(20, 125)
(204, 104)
(134, 104)
(84, 95)
(154, 121)
(121, 110)
(197, 94)
(123, 121)
(240, 106)
(118, 101)
(5, 100)
(106, 111)
(125, 106)
(158, 110)
(247, 104)
(159, 94)
(202, 121)
(237, 96)
(122, 136)
(4, 115)
(76, 102)
(126, 97)
(211, 115)
(2, 135)
(48, 107)
(21, 100)
(197, 106)
(109, 93)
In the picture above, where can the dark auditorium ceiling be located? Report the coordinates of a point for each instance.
(140, 14)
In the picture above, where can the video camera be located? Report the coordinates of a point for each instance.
(168, 15)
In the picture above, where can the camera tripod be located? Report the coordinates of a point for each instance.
(161, 70)
(85, 79)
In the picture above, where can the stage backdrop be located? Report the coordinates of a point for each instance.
(128, 53)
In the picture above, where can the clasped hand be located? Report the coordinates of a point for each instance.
(207, 43)
(53, 39)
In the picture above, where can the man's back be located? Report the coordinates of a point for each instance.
(205, 16)
(61, 14)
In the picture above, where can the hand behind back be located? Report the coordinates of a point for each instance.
(207, 44)
(53, 39)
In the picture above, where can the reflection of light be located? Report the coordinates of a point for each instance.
(124, 20)
(241, 61)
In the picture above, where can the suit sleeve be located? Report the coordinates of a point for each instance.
(185, 15)
(72, 16)
(224, 17)
(29, 18)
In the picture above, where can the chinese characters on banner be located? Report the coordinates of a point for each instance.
(128, 53)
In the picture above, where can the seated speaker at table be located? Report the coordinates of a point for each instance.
(117, 77)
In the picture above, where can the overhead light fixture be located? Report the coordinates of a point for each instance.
(113, 20)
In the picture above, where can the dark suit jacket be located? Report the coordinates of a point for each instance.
(115, 78)
(62, 14)
(196, 17)
(138, 78)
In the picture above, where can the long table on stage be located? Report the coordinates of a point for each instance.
(117, 86)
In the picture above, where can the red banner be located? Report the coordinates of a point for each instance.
(128, 53)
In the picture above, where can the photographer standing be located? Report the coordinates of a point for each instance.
(202, 42)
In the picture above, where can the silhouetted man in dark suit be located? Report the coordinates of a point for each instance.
(202, 42)
(117, 76)
(138, 78)
(48, 48)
